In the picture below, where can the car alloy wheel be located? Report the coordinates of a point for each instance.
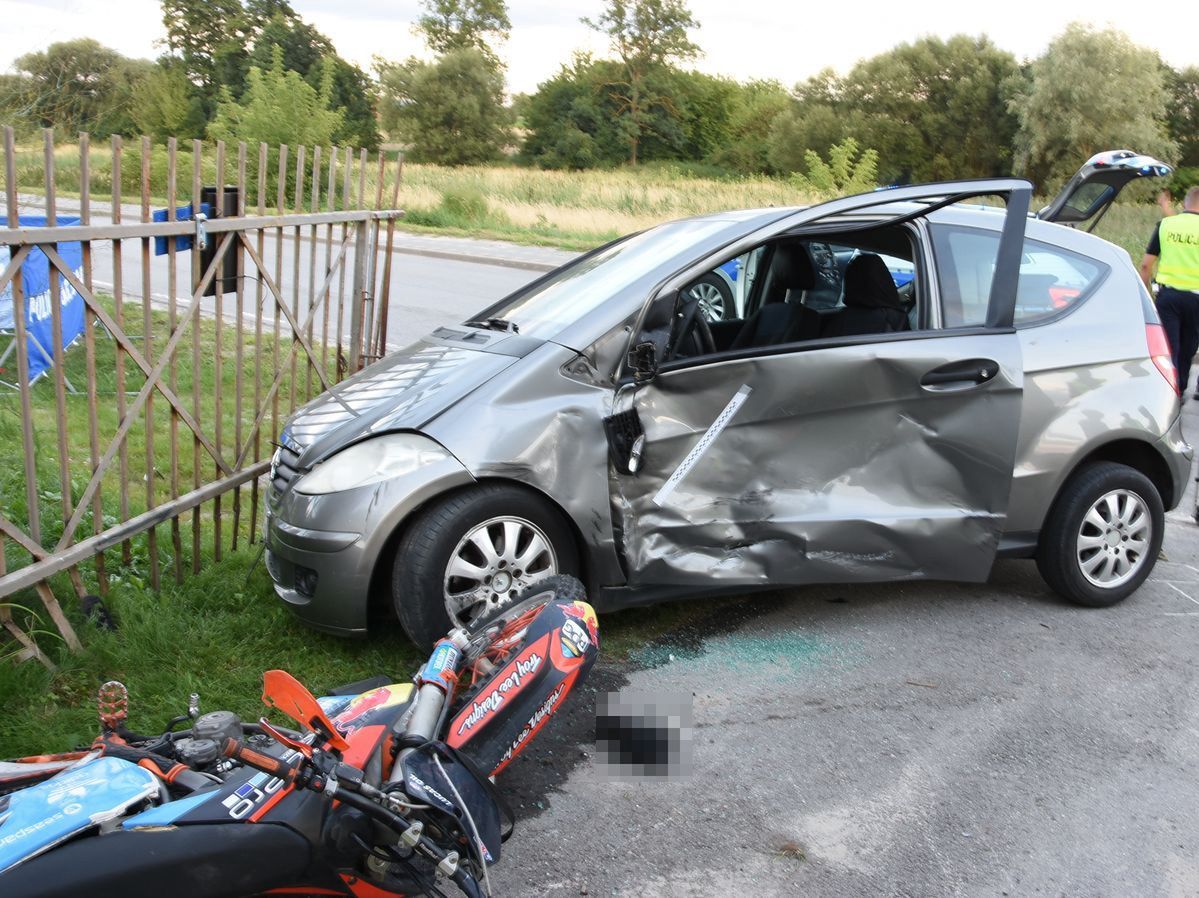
(492, 564)
(711, 300)
(1101, 537)
(1114, 539)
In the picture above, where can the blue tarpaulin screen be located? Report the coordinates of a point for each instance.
(183, 213)
(35, 286)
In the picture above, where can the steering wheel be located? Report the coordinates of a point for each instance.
(694, 330)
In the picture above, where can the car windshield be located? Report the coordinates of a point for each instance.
(564, 297)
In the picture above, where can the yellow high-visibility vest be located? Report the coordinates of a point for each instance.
(1178, 264)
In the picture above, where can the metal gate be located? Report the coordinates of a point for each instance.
(200, 331)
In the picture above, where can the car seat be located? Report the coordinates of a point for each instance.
(782, 317)
(872, 303)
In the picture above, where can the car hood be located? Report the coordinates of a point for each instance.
(404, 391)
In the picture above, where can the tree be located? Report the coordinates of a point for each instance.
(163, 105)
(1182, 112)
(753, 111)
(217, 42)
(451, 111)
(570, 122)
(449, 25)
(647, 37)
(934, 109)
(803, 128)
(305, 50)
(1089, 91)
(574, 120)
(79, 85)
(209, 38)
(277, 107)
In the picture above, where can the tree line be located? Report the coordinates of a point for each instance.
(926, 110)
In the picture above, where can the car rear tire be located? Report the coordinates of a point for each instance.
(1102, 536)
(468, 554)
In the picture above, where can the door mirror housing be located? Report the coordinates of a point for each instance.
(643, 361)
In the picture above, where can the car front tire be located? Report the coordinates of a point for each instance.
(1103, 534)
(465, 556)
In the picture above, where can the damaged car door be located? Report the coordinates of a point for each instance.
(871, 457)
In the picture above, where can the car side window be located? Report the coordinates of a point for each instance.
(965, 266)
(1052, 279)
(723, 292)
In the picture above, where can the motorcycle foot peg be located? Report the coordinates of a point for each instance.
(411, 836)
(448, 865)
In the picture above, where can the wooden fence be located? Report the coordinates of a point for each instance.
(157, 420)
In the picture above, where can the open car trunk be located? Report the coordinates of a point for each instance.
(1095, 186)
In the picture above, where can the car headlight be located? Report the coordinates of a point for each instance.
(370, 461)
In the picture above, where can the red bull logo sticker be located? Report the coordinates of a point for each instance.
(575, 640)
(583, 612)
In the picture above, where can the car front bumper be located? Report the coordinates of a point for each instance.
(322, 551)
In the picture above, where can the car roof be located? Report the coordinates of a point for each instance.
(976, 215)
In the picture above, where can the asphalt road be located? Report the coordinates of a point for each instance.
(910, 740)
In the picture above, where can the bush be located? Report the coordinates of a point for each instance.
(464, 208)
(1183, 180)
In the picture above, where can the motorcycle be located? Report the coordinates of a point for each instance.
(383, 790)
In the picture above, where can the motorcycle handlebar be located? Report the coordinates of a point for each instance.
(251, 758)
(350, 796)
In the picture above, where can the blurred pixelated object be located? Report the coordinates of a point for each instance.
(640, 736)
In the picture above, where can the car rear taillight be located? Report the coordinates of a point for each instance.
(1159, 351)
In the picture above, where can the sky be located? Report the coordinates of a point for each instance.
(746, 39)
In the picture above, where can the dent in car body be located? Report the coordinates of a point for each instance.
(839, 467)
(542, 426)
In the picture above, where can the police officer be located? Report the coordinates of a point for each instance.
(1174, 247)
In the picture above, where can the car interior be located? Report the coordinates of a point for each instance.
(797, 289)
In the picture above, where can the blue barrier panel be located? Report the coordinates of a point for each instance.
(183, 213)
(35, 284)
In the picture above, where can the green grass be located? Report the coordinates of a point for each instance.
(1129, 225)
(29, 694)
(214, 635)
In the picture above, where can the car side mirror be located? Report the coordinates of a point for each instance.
(643, 361)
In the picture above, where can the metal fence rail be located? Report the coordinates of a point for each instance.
(208, 367)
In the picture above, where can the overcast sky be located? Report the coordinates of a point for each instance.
(744, 39)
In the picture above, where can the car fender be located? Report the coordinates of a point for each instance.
(541, 425)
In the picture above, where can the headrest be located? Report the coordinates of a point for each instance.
(792, 269)
(869, 285)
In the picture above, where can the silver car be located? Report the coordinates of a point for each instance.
(918, 384)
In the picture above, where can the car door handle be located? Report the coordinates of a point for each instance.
(960, 375)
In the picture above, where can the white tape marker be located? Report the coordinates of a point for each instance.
(704, 444)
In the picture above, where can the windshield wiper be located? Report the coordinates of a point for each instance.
(496, 324)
